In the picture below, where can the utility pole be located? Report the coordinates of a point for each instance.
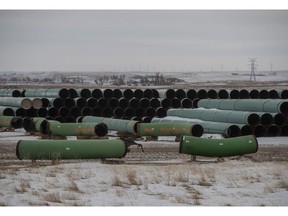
(252, 66)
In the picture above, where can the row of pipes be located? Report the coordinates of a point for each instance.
(239, 127)
(261, 117)
(190, 142)
(148, 93)
(65, 105)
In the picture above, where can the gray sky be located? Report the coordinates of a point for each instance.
(153, 40)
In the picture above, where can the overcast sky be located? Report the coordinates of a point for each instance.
(153, 40)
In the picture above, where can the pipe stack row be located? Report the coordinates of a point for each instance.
(235, 117)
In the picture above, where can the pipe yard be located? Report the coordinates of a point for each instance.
(137, 141)
(133, 115)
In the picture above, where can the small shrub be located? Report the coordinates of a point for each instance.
(52, 197)
(116, 182)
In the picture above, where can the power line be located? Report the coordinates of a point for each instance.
(252, 66)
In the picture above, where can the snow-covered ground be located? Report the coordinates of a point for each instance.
(234, 182)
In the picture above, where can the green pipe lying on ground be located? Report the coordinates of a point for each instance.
(76, 129)
(218, 147)
(254, 105)
(32, 124)
(228, 116)
(11, 121)
(169, 129)
(120, 125)
(70, 149)
(225, 129)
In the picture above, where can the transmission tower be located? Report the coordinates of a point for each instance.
(252, 66)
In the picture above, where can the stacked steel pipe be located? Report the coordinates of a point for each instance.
(142, 105)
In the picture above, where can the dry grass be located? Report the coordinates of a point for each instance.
(182, 177)
(203, 182)
(181, 200)
(268, 189)
(283, 184)
(74, 187)
(22, 188)
(52, 197)
(116, 181)
(132, 177)
(119, 192)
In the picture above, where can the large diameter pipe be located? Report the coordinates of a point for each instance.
(186, 103)
(234, 94)
(244, 93)
(283, 93)
(148, 93)
(120, 125)
(117, 93)
(180, 94)
(128, 93)
(161, 112)
(97, 93)
(84, 93)
(76, 129)
(212, 93)
(273, 130)
(169, 129)
(218, 147)
(191, 94)
(56, 102)
(108, 93)
(227, 116)
(202, 94)
(223, 94)
(273, 94)
(279, 118)
(264, 94)
(284, 130)
(25, 103)
(32, 124)
(6, 111)
(73, 93)
(53, 93)
(260, 131)
(170, 93)
(155, 93)
(10, 93)
(80, 102)
(265, 118)
(70, 149)
(138, 93)
(225, 129)
(254, 94)
(245, 129)
(11, 121)
(254, 105)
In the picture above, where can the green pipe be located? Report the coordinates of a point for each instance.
(225, 129)
(25, 103)
(228, 116)
(254, 105)
(11, 121)
(32, 124)
(218, 147)
(120, 125)
(70, 149)
(76, 129)
(169, 129)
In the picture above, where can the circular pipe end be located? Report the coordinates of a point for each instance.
(101, 129)
(197, 130)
